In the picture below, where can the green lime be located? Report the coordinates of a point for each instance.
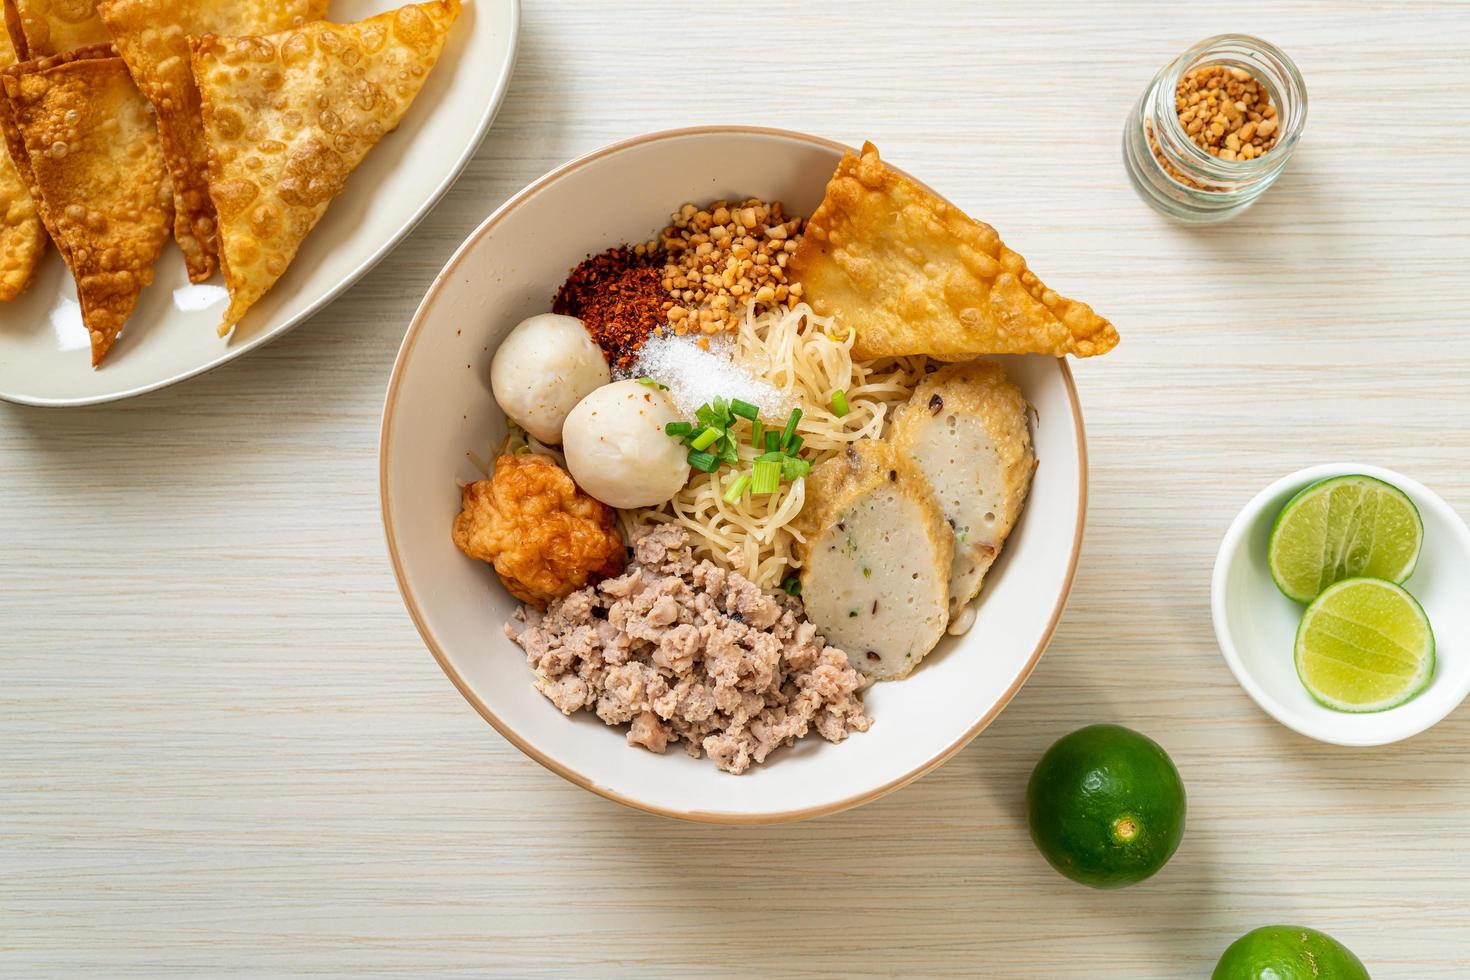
(1106, 806)
(1345, 527)
(1364, 645)
(1288, 953)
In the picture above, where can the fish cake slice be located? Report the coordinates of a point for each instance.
(875, 559)
(40, 28)
(153, 38)
(288, 117)
(22, 237)
(97, 175)
(922, 277)
(965, 428)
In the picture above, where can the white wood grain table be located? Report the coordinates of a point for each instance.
(224, 751)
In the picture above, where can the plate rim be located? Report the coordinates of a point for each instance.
(410, 601)
(389, 244)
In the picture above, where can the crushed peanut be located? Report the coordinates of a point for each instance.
(1226, 112)
(722, 257)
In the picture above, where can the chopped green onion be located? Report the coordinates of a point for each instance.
(729, 452)
(772, 457)
(794, 446)
(839, 403)
(678, 428)
(766, 477)
(791, 586)
(704, 462)
(744, 409)
(794, 469)
(755, 433)
(737, 488)
(650, 383)
(722, 407)
(773, 441)
(705, 439)
(790, 429)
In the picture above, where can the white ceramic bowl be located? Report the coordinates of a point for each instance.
(440, 410)
(1256, 625)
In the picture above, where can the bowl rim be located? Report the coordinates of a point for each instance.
(410, 600)
(1235, 539)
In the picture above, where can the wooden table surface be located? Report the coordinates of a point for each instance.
(224, 751)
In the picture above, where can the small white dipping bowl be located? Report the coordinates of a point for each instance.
(1256, 625)
(440, 410)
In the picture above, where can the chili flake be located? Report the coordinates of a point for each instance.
(619, 295)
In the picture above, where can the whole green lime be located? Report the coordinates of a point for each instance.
(1288, 953)
(1106, 806)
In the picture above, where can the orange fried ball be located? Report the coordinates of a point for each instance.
(544, 536)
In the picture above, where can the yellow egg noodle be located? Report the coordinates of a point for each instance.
(808, 358)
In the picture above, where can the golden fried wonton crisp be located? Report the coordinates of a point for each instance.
(15, 143)
(97, 175)
(912, 274)
(45, 27)
(22, 239)
(288, 117)
(153, 38)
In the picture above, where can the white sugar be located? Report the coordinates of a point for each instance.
(696, 376)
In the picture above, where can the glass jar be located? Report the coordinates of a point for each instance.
(1181, 179)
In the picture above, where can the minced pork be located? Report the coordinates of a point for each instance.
(681, 650)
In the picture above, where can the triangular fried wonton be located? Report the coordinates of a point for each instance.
(913, 274)
(153, 38)
(22, 239)
(97, 175)
(290, 116)
(15, 143)
(41, 28)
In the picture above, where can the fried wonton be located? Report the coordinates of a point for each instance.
(912, 274)
(288, 117)
(153, 38)
(97, 175)
(22, 239)
(40, 28)
(15, 143)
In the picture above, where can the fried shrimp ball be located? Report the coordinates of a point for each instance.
(544, 536)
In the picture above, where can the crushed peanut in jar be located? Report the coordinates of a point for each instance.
(1226, 112)
(722, 257)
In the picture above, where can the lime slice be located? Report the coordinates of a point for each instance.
(1364, 645)
(1344, 527)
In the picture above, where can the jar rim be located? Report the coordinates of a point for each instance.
(1193, 160)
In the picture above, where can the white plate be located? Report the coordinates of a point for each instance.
(439, 408)
(44, 357)
(1256, 625)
